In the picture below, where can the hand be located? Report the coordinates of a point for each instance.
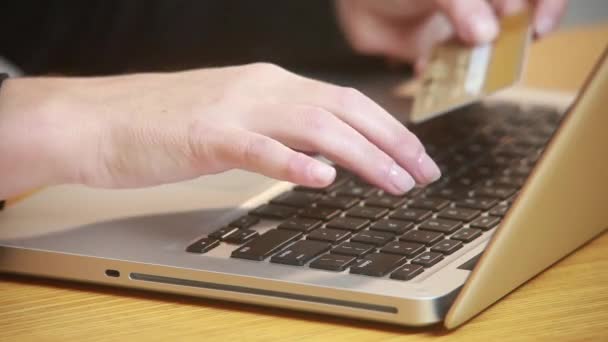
(147, 129)
(407, 30)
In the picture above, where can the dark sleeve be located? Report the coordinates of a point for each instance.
(114, 36)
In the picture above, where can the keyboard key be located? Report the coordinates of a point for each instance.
(320, 213)
(417, 190)
(223, 232)
(408, 249)
(203, 245)
(411, 214)
(499, 210)
(466, 234)
(456, 161)
(495, 192)
(440, 225)
(245, 222)
(450, 193)
(348, 223)
(300, 252)
(385, 201)
(341, 179)
(377, 264)
(337, 202)
(501, 161)
(353, 248)
(483, 171)
(536, 141)
(373, 237)
(422, 236)
(301, 224)
(509, 181)
(428, 259)
(521, 170)
(392, 226)
(485, 222)
(434, 204)
(273, 211)
(296, 199)
(475, 147)
(370, 213)
(266, 244)
(241, 236)
(480, 203)
(329, 235)
(354, 189)
(333, 262)
(465, 181)
(459, 214)
(407, 272)
(447, 246)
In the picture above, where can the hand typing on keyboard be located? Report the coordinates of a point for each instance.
(147, 129)
(486, 153)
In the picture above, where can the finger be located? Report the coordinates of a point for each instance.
(547, 15)
(398, 10)
(374, 123)
(315, 129)
(257, 153)
(403, 40)
(509, 7)
(415, 40)
(474, 20)
(420, 66)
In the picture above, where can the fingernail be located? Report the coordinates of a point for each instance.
(429, 170)
(544, 25)
(323, 173)
(484, 29)
(401, 180)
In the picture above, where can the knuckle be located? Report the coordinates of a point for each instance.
(297, 164)
(317, 119)
(399, 139)
(349, 98)
(405, 142)
(384, 166)
(363, 45)
(254, 149)
(360, 45)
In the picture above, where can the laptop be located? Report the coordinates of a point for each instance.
(523, 186)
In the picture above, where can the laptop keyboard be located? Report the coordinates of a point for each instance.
(485, 155)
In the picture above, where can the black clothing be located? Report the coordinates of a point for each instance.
(113, 36)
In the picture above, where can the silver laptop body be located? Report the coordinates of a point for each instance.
(138, 239)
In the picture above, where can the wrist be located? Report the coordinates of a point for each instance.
(42, 140)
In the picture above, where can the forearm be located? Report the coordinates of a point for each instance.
(36, 143)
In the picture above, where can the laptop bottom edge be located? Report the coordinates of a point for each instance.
(408, 311)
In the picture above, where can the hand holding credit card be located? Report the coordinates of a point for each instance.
(458, 74)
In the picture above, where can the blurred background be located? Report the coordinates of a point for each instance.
(585, 12)
(114, 36)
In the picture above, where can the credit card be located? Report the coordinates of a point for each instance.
(458, 75)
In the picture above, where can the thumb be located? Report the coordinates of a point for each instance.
(474, 20)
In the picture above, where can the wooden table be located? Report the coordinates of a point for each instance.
(567, 302)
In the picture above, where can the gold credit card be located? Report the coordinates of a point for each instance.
(458, 74)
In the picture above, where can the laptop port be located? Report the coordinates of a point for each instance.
(113, 273)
